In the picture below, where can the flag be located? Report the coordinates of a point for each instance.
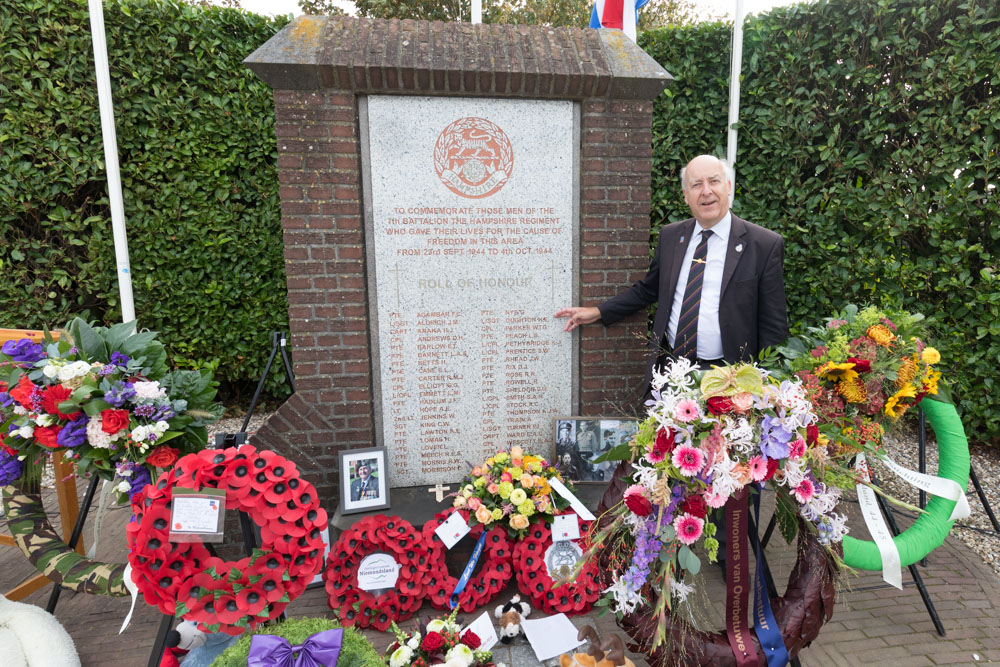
(620, 14)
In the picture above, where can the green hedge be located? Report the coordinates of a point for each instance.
(197, 152)
(855, 116)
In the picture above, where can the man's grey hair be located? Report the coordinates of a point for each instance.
(730, 174)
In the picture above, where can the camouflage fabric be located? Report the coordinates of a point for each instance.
(30, 527)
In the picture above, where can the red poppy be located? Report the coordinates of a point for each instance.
(250, 601)
(53, 397)
(47, 436)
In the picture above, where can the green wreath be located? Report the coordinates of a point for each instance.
(356, 651)
(930, 529)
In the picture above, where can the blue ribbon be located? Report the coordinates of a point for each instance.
(467, 573)
(764, 623)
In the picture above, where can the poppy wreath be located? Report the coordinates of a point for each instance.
(495, 571)
(387, 534)
(184, 579)
(535, 582)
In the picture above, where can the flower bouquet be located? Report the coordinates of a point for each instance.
(706, 439)
(513, 488)
(863, 370)
(440, 644)
(104, 396)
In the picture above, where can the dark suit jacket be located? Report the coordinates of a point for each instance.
(752, 309)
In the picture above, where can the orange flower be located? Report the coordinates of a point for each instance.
(518, 521)
(881, 335)
(853, 391)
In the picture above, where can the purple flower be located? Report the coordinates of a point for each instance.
(137, 480)
(74, 433)
(5, 400)
(119, 359)
(647, 548)
(120, 393)
(153, 411)
(10, 468)
(23, 350)
(774, 439)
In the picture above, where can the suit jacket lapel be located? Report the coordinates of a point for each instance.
(733, 257)
(676, 257)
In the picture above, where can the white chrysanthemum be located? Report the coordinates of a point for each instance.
(140, 432)
(401, 657)
(50, 370)
(66, 373)
(160, 427)
(414, 642)
(149, 390)
(459, 655)
(680, 590)
(80, 368)
(437, 625)
(96, 435)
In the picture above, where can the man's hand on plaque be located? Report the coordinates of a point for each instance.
(579, 316)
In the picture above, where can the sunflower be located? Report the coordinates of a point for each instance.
(907, 371)
(931, 381)
(853, 391)
(894, 407)
(881, 335)
(838, 372)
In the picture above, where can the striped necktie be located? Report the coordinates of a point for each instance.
(686, 340)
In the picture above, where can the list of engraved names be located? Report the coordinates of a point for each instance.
(471, 235)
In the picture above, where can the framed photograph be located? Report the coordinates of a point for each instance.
(364, 480)
(580, 440)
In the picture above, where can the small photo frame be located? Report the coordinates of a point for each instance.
(364, 480)
(580, 440)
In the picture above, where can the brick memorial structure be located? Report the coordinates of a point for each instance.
(445, 188)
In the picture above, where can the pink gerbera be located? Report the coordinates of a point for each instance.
(796, 448)
(687, 410)
(689, 460)
(688, 528)
(715, 499)
(758, 468)
(804, 491)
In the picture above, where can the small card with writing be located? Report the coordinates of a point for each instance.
(483, 628)
(452, 530)
(574, 502)
(197, 516)
(565, 527)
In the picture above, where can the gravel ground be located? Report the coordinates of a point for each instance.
(977, 530)
(901, 445)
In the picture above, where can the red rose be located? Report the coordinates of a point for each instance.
(664, 444)
(695, 505)
(47, 435)
(163, 456)
(113, 421)
(638, 504)
(772, 467)
(812, 434)
(432, 642)
(53, 397)
(861, 365)
(720, 405)
(471, 639)
(22, 392)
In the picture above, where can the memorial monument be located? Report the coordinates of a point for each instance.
(445, 189)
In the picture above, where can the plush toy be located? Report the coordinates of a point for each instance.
(511, 615)
(607, 653)
(32, 637)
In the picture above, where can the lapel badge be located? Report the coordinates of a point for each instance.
(739, 248)
(682, 239)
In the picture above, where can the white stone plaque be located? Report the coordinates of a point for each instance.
(471, 240)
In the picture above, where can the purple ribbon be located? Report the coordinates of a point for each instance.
(320, 650)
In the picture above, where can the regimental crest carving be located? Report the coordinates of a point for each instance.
(473, 157)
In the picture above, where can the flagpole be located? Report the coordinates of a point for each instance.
(734, 84)
(111, 159)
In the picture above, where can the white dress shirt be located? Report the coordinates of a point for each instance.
(709, 333)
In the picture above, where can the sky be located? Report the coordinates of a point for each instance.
(273, 7)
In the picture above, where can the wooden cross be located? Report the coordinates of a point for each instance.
(439, 491)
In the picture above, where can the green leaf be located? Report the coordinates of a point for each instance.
(788, 522)
(617, 453)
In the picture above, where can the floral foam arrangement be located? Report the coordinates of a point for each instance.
(440, 644)
(703, 443)
(511, 488)
(103, 396)
(863, 370)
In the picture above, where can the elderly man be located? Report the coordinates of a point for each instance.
(716, 279)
